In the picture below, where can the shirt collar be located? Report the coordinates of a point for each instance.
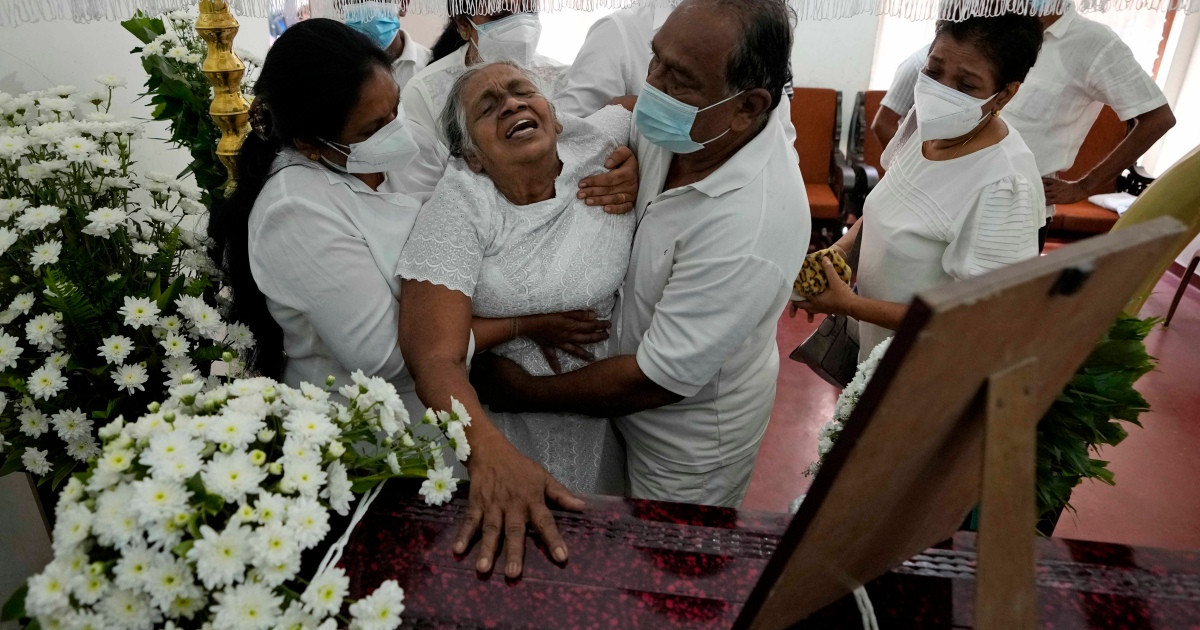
(412, 50)
(742, 167)
(291, 157)
(1060, 26)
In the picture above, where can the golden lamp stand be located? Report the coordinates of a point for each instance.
(229, 110)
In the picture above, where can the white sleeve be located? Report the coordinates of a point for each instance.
(708, 309)
(447, 242)
(1000, 230)
(899, 97)
(305, 258)
(598, 74)
(1116, 79)
(613, 121)
(414, 98)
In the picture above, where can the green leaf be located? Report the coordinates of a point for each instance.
(14, 608)
(62, 473)
(13, 462)
(143, 27)
(171, 292)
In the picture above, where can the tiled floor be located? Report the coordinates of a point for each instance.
(1156, 501)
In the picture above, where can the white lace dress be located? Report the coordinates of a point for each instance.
(550, 256)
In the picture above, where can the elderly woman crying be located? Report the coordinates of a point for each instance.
(503, 237)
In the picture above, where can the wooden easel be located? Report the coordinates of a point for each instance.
(948, 422)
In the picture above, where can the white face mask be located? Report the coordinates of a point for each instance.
(390, 148)
(944, 113)
(514, 38)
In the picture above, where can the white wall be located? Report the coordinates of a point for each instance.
(835, 54)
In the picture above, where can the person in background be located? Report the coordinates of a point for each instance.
(962, 195)
(899, 97)
(1083, 66)
(468, 40)
(719, 241)
(380, 21)
(613, 60)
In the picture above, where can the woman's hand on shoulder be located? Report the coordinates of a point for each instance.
(617, 189)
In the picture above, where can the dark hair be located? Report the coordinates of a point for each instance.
(310, 80)
(450, 41)
(1010, 42)
(762, 56)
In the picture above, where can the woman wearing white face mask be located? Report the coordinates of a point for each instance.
(471, 39)
(962, 194)
(329, 184)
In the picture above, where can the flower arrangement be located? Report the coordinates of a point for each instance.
(172, 54)
(847, 400)
(106, 293)
(197, 513)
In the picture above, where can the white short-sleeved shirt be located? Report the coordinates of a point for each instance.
(426, 93)
(932, 222)
(323, 247)
(1083, 66)
(899, 97)
(711, 270)
(615, 59)
(412, 60)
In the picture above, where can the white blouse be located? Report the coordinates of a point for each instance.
(931, 222)
(323, 247)
(426, 93)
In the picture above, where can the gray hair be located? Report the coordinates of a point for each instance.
(762, 56)
(453, 119)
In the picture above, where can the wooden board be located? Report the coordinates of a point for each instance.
(907, 467)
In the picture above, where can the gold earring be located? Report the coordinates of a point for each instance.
(314, 156)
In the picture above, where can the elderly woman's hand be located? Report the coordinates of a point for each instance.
(569, 331)
(617, 189)
(836, 300)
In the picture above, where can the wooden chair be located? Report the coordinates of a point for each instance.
(865, 147)
(1084, 218)
(828, 178)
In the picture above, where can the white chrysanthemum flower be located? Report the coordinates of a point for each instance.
(246, 606)
(173, 455)
(139, 312)
(439, 486)
(459, 412)
(232, 476)
(61, 105)
(9, 351)
(33, 422)
(239, 336)
(71, 527)
(48, 591)
(337, 488)
(175, 345)
(231, 427)
(39, 217)
(115, 525)
(325, 592)
(176, 367)
(143, 248)
(158, 499)
(71, 424)
(106, 164)
(130, 377)
(152, 49)
(168, 580)
(83, 449)
(393, 463)
(77, 149)
(381, 609)
(45, 254)
(272, 544)
(12, 147)
(110, 80)
(295, 618)
(178, 53)
(104, 221)
(7, 239)
(168, 324)
(315, 428)
(458, 437)
(134, 565)
(270, 508)
(303, 475)
(130, 610)
(115, 349)
(34, 460)
(90, 588)
(22, 303)
(308, 520)
(41, 330)
(45, 383)
(273, 575)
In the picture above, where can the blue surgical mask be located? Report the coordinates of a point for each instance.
(667, 122)
(376, 20)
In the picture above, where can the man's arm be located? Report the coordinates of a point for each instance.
(885, 125)
(606, 389)
(1147, 129)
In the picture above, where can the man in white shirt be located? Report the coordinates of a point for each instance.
(899, 97)
(1083, 66)
(379, 21)
(723, 230)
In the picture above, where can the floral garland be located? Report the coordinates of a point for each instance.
(197, 513)
(106, 290)
(846, 402)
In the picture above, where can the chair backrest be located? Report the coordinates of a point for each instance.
(815, 116)
(872, 147)
(1106, 133)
